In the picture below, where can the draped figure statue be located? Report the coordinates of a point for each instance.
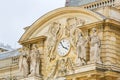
(95, 47)
(23, 62)
(81, 47)
(34, 61)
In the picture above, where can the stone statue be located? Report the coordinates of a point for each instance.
(72, 24)
(54, 32)
(80, 21)
(81, 49)
(117, 3)
(95, 47)
(23, 62)
(34, 61)
(51, 76)
(69, 65)
(62, 70)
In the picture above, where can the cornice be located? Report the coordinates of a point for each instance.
(33, 40)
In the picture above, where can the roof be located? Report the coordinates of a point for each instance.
(9, 54)
(79, 2)
(5, 47)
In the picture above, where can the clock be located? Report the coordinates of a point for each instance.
(63, 47)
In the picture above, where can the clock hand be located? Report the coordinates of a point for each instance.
(63, 46)
(66, 48)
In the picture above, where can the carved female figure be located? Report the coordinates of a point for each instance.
(23, 62)
(81, 48)
(95, 47)
(34, 61)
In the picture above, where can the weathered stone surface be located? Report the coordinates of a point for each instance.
(32, 78)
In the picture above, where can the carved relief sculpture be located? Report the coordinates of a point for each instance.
(23, 62)
(54, 32)
(72, 24)
(34, 61)
(95, 47)
(70, 65)
(70, 28)
(80, 22)
(62, 69)
(53, 70)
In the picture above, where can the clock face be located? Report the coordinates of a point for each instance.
(63, 47)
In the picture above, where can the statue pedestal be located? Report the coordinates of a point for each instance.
(33, 78)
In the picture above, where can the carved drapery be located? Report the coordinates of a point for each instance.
(30, 59)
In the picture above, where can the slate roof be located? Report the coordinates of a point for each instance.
(79, 2)
(9, 54)
(5, 47)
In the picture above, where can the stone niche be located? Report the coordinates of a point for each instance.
(30, 60)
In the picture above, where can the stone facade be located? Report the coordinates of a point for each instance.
(69, 43)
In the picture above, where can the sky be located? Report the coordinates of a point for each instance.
(17, 14)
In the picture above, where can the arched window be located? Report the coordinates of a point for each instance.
(97, 5)
(103, 3)
(87, 7)
(92, 6)
(100, 4)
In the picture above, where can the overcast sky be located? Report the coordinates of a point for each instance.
(17, 14)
